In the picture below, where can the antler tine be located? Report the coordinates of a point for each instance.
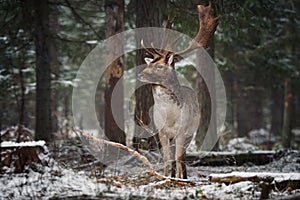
(207, 27)
(175, 41)
(147, 50)
(169, 22)
(166, 35)
(154, 49)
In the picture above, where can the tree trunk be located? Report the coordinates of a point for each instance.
(249, 102)
(286, 127)
(114, 124)
(255, 110)
(296, 109)
(207, 107)
(276, 110)
(296, 89)
(288, 91)
(53, 53)
(22, 88)
(249, 108)
(241, 115)
(228, 78)
(205, 110)
(43, 128)
(148, 14)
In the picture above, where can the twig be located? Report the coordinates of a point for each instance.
(146, 127)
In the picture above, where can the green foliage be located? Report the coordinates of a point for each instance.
(255, 34)
(199, 193)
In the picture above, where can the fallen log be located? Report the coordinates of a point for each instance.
(289, 197)
(232, 158)
(280, 181)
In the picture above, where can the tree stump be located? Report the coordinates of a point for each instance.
(16, 156)
(18, 151)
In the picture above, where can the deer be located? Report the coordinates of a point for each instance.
(176, 109)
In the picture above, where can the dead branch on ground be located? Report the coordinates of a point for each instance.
(139, 156)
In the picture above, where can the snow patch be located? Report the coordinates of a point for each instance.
(22, 144)
(278, 177)
(91, 41)
(47, 181)
(242, 190)
(242, 144)
(260, 136)
(296, 132)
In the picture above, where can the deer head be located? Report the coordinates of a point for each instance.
(160, 71)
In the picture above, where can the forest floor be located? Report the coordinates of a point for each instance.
(72, 173)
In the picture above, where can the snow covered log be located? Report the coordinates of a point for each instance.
(15, 156)
(280, 181)
(231, 158)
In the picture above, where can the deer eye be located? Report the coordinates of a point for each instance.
(159, 66)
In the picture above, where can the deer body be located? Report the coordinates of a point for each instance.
(176, 113)
(176, 120)
(176, 109)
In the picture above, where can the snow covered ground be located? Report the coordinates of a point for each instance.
(55, 179)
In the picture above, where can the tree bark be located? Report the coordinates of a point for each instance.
(276, 110)
(53, 53)
(296, 104)
(286, 127)
(22, 88)
(288, 89)
(241, 112)
(114, 124)
(207, 107)
(255, 112)
(149, 13)
(20, 157)
(43, 72)
(249, 101)
(228, 78)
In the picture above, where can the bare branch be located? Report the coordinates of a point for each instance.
(142, 158)
(121, 146)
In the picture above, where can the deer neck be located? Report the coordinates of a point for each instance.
(167, 93)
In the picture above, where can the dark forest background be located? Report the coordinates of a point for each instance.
(43, 43)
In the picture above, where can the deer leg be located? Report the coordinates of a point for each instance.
(165, 150)
(178, 155)
(183, 165)
(173, 169)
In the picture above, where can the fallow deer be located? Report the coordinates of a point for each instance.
(176, 109)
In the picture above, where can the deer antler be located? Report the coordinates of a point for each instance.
(166, 45)
(207, 27)
(153, 54)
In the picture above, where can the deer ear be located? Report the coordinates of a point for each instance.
(148, 60)
(170, 60)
